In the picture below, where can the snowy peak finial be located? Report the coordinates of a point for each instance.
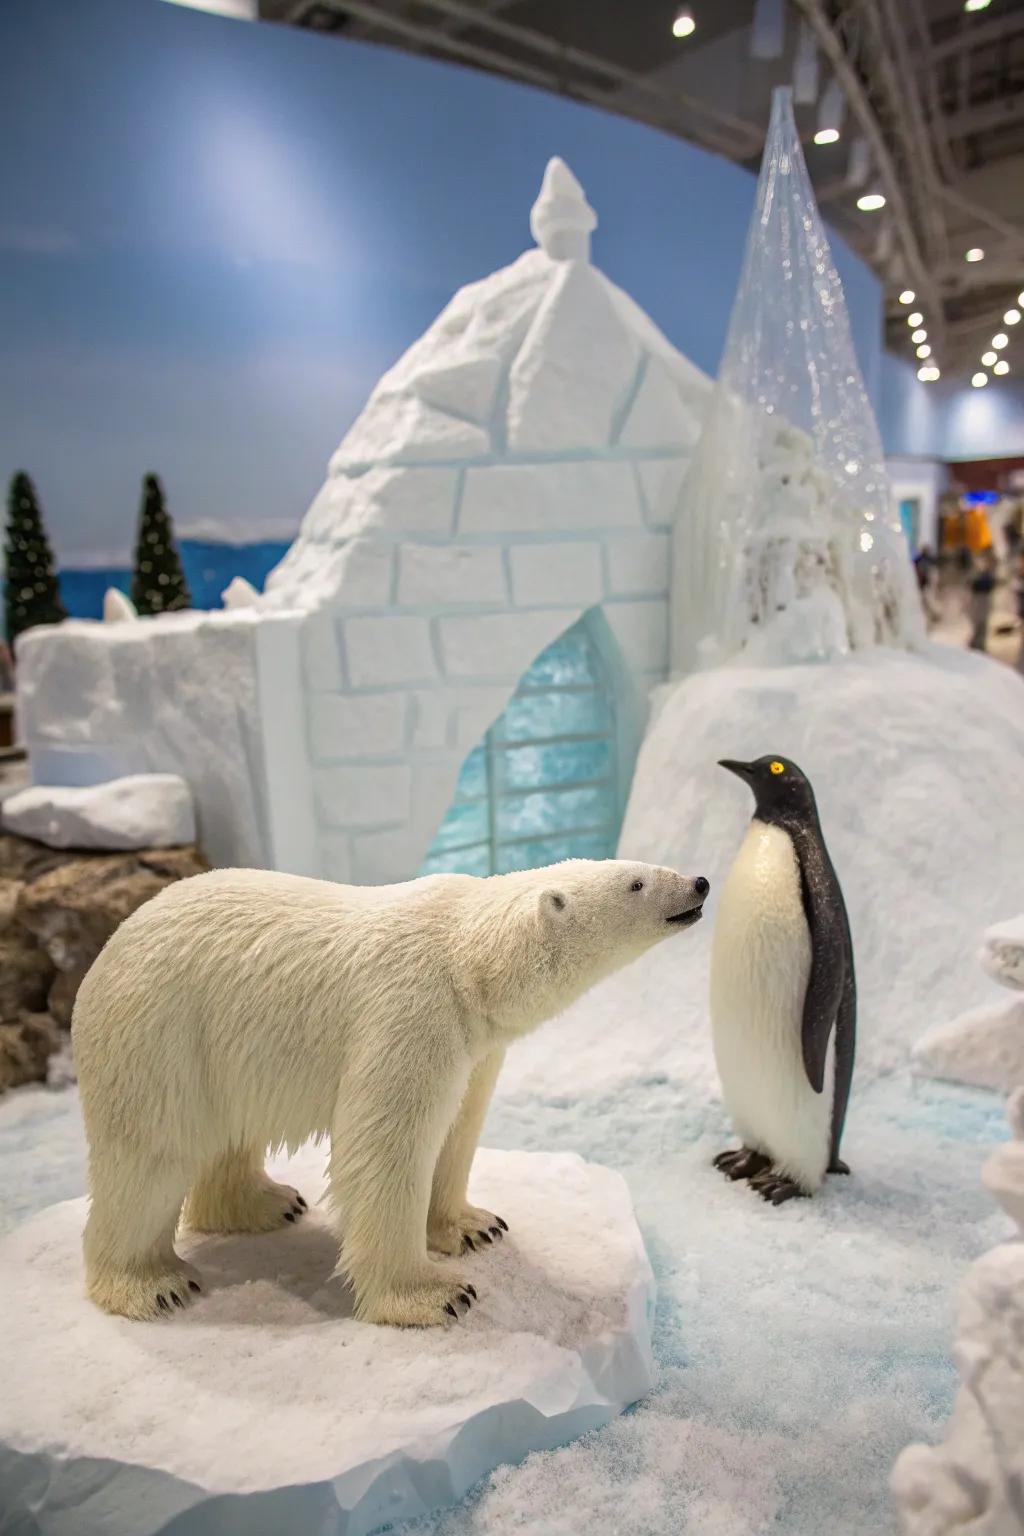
(561, 219)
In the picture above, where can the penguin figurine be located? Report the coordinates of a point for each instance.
(783, 992)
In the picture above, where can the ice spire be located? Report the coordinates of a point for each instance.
(561, 219)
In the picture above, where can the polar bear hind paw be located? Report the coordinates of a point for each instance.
(473, 1228)
(146, 1295)
(260, 1205)
(426, 1306)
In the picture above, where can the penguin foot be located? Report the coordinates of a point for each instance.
(741, 1163)
(838, 1166)
(776, 1188)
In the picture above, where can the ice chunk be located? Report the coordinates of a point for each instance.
(143, 810)
(239, 593)
(561, 220)
(117, 607)
(268, 1398)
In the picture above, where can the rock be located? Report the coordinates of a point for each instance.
(142, 810)
(25, 976)
(72, 910)
(26, 1045)
(60, 1000)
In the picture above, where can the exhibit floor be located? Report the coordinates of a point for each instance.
(798, 1349)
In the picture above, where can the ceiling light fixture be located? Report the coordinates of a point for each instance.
(826, 136)
(927, 372)
(980, 380)
(919, 335)
(916, 318)
(976, 5)
(974, 254)
(924, 351)
(988, 358)
(870, 202)
(1000, 340)
(1002, 366)
(1012, 317)
(683, 25)
(908, 296)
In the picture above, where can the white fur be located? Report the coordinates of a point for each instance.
(760, 962)
(243, 1008)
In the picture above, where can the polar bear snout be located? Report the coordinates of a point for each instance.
(691, 908)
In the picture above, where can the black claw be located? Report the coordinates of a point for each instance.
(472, 1291)
(194, 1287)
(485, 1237)
(289, 1215)
(296, 1210)
(302, 1202)
(450, 1309)
(502, 1224)
(465, 1298)
(469, 1243)
(495, 1232)
(177, 1299)
(161, 1302)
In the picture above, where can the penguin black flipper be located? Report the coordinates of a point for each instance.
(846, 1042)
(831, 965)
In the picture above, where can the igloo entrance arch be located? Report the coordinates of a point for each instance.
(549, 779)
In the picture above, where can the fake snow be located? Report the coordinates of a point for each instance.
(984, 1047)
(368, 1424)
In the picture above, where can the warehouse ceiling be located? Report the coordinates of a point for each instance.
(927, 97)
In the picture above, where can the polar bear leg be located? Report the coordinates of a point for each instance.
(453, 1225)
(131, 1267)
(234, 1194)
(387, 1130)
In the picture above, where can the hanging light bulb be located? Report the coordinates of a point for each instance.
(870, 202)
(908, 296)
(919, 335)
(1012, 317)
(988, 358)
(684, 24)
(1002, 366)
(1000, 340)
(974, 254)
(980, 380)
(915, 319)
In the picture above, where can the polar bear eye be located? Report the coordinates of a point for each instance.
(637, 885)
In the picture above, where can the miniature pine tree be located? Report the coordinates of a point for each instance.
(31, 594)
(158, 581)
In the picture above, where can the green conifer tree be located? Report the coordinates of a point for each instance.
(158, 581)
(31, 593)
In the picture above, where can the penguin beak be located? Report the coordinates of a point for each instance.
(741, 770)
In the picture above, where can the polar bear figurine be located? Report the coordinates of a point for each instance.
(243, 1009)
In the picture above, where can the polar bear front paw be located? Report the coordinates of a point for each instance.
(472, 1228)
(257, 1205)
(146, 1294)
(423, 1306)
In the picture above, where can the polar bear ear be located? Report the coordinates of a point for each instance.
(552, 904)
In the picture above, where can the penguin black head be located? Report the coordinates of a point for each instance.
(781, 790)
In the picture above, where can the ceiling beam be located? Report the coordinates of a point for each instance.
(985, 116)
(978, 34)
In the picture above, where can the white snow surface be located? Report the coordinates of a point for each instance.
(1002, 952)
(142, 810)
(984, 1047)
(975, 1478)
(269, 1396)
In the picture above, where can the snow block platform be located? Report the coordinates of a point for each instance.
(267, 1407)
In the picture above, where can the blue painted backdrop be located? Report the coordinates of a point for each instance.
(215, 236)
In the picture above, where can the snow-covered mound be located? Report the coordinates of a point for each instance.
(984, 1047)
(915, 759)
(268, 1406)
(975, 1479)
(142, 810)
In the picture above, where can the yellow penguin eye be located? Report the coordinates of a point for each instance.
(778, 768)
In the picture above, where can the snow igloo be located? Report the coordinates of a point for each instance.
(450, 667)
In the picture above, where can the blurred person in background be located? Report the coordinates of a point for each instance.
(982, 586)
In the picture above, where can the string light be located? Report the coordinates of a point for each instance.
(683, 25)
(980, 380)
(908, 296)
(988, 358)
(920, 335)
(870, 202)
(826, 136)
(915, 319)
(924, 351)
(1000, 340)
(1002, 366)
(974, 254)
(1012, 317)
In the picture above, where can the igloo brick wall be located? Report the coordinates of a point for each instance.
(517, 468)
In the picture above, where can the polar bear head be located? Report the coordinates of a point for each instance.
(564, 927)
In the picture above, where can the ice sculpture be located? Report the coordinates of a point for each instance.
(786, 545)
(975, 1479)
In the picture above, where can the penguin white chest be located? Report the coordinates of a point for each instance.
(760, 963)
